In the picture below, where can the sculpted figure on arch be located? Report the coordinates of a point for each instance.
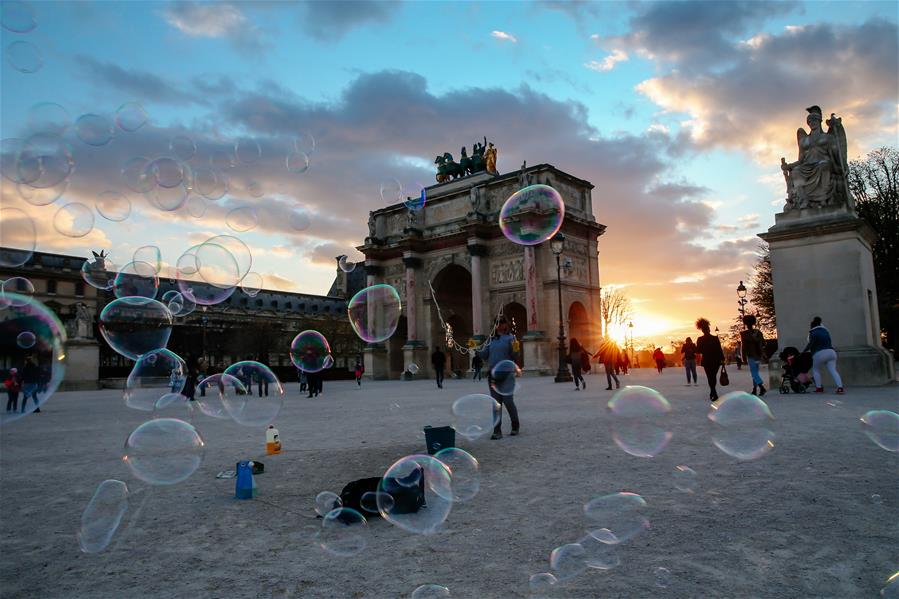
(819, 177)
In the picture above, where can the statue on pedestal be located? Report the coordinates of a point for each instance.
(84, 322)
(490, 158)
(819, 177)
(371, 225)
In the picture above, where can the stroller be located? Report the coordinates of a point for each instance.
(797, 366)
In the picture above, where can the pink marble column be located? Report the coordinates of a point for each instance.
(411, 305)
(477, 300)
(530, 286)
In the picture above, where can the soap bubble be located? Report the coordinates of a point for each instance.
(173, 405)
(177, 303)
(133, 329)
(640, 418)
(876, 499)
(326, 502)
(371, 499)
(136, 282)
(45, 161)
(16, 291)
(299, 220)
(196, 206)
(211, 183)
(167, 172)
(94, 130)
(130, 117)
(149, 254)
(465, 472)
(532, 215)
(102, 516)
(154, 374)
(685, 479)
(891, 590)
(24, 57)
(431, 591)
(345, 264)
(218, 388)
(600, 550)
(741, 422)
(297, 162)
(48, 118)
(238, 249)
(113, 206)
(304, 142)
(249, 409)
(541, 585)
(168, 199)
(619, 513)
(19, 237)
(251, 284)
(416, 196)
(42, 196)
(412, 368)
(663, 577)
(221, 159)
(247, 151)
(391, 191)
(242, 219)
(343, 532)
(99, 273)
(74, 220)
(208, 273)
(164, 451)
(9, 155)
(137, 176)
(26, 340)
(503, 377)
(422, 474)
(568, 561)
(46, 355)
(882, 427)
(183, 147)
(17, 17)
(475, 415)
(309, 351)
(375, 312)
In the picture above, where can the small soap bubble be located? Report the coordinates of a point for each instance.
(196, 206)
(741, 424)
(371, 499)
(183, 147)
(24, 57)
(45, 160)
(663, 577)
(297, 163)
(464, 470)
(254, 188)
(876, 499)
(99, 272)
(891, 590)
(218, 388)
(49, 118)
(412, 368)
(532, 215)
(17, 17)
(136, 282)
(94, 130)
(154, 375)
(598, 553)
(299, 220)
(242, 219)
(685, 479)
(310, 351)
(431, 591)
(16, 291)
(433, 479)
(541, 585)
(211, 183)
(102, 516)
(374, 313)
(640, 421)
(164, 451)
(475, 415)
(326, 501)
(619, 513)
(391, 191)
(257, 410)
(568, 561)
(130, 117)
(149, 254)
(137, 176)
(74, 220)
(882, 427)
(344, 532)
(251, 284)
(345, 264)
(26, 340)
(304, 142)
(504, 377)
(247, 151)
(113, 206)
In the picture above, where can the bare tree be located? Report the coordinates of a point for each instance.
(615, 308)
(761, 293)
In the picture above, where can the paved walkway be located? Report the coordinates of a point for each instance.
(799, 522)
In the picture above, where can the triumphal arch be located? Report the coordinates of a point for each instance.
(453, 245)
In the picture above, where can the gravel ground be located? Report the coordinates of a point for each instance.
(799, 522)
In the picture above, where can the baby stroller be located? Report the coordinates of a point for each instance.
(797, 366)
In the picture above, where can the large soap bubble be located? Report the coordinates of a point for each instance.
(133, 328)
(102, 516)
(113, 206)
(45, 160)
(154, 374)
(207, 274)
(344, 532)
(465, 472)
(600, 550)
(640, 421)
(375, 312)
(475, 415)
(326, 501)
(44, 360)
(741, 425)
(568, 561)
(17, 17)
(74, 220)
(310, 352)
(220, 388)
(42, 196)
(99, 272)
(541, 585)
(254, 410)
(94, 130)
(504, 377)
(532, 215)
(24, 57)
(164, 451)
(882, 427)
(242, 219)
(130, 117)
(136, 282)
(414, 482)
(619, 514)
(19, 237)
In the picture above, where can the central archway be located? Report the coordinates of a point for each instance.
(579, 325)
(452, 289)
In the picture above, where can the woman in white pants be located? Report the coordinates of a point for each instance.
(823, 355)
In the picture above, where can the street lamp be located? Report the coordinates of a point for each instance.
(742, 301)
(204, 319)
(630, 326)
(557, 244)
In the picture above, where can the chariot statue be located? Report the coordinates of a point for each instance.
(482, 159)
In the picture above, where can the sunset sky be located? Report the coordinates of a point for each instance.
(678, 113)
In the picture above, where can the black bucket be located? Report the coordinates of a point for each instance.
(439, 437)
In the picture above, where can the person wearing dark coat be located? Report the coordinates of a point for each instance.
(689, 352)
(31, 380)
(709, 347)
(438, 361)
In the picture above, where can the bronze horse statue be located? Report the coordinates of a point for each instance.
(447, 168)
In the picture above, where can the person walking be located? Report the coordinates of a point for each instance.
(358, 371)
(261, 380)
(438, 361)
(303, 379)
(608, 355)
(576, 359)
(502, 347)
(752, 342)
(13, 385)
(477, 364)
(689, 352)
(31, 378)
(190, 384)
(624, 362)
(709, 347)
(823, 355)
(314, 380)
(659, 357)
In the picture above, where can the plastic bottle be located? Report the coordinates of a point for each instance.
(272, 441)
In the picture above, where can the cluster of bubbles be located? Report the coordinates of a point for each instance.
(23, 56)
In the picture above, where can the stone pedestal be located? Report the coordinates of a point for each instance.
(821, 265)
(416, 352)
(535, 347)
(377, 363)
(82, 365)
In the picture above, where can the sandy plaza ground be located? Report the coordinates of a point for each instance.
(798, 522)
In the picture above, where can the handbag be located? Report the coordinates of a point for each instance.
(724, 379)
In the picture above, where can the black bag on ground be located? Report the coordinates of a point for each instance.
(408, 493)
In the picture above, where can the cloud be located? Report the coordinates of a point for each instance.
(136, 84)
(214, 20)
(757, 102)
(332, 19)
(503, 36)
(576, 9)
(608, 63)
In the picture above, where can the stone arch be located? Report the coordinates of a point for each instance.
(452, 289)
(579, 324)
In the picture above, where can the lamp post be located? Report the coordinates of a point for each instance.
(742, 301)
(630, 326)
(557, 244)
(204, 319)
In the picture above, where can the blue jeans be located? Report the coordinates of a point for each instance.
(754, 371)
(690, 367)
(29, 390)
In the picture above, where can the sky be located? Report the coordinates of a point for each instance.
(677, 112)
